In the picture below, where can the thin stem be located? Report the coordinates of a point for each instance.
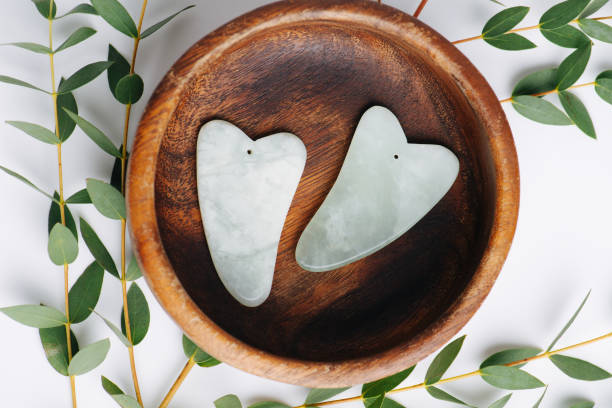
(420, 8)
(177, 383)
(517, 30)
(466, 375)
(551, 92)
(61, 198)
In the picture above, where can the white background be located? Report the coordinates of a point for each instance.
(562, 246)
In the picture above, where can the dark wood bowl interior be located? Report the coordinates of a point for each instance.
(315, 79)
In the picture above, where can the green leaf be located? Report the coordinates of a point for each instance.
(577, 112)
(162, 23)
(89, 358)
(579, 369)
(442, 395)
(510, 356)
(133, 271)
(54, 344)
(126, 401)
(593, 7)
(116, 15)
(110, 387)
(573, 66)
(115, 179)
(44, 7)
(539, 401)
(129, 89)
(322, 394)
(80, 9)
(603, 86)
(83, 76)
(228, 401)
(583, 404)
(18, 82)
(442, 361)
(115, 330)
(80, 35)
(386, 384)
(566, 36)
(540, 110)
(55, 217)
(118, 70)
(375, 402)
(36, 131)
(63, 247)
(95, 134)
(97, 248)
(501, 403)
(66, 125)
(562, 13)
(510, 42)
(504, 21)
(26, 181)
(509, 378)
(41, 317)
(84, 294)
(201, 358)
(37, 48)
(80, 197)
(570, 322)
(138, 310)
(596, 29)
(269, 404)
(107, 199)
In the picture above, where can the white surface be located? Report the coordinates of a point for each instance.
(562, 246)
(384, 187)
(245, 188)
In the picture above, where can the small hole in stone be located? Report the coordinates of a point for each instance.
(249, 151)
(395, 156)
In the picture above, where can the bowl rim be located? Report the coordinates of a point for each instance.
(158, 270)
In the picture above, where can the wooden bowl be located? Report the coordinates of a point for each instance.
(312, 68)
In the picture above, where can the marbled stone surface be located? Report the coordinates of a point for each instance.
(245, 189)
(385, 186)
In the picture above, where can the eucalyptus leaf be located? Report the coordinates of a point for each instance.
(19, 82)
(26, 181)
(82, 8)
(374, 402)
(162, 23)
(118, 70)
(504, 21)
(570, 322)
(133, 271)
(97, 248)
(577, 112)
(80, 197)
(384, 385)
(583, 404)
(129, 89)
(85, 293)
(510, 42)
(442, 395)
(562, 13)
(228, 401)
(107, 199)
(46, 8)
(116, 15)
(89, 358)
(41, 317)
(596, 29)
(593, 7)
(199, 356)
(509, 378)
(80, 35)
(442, 361)
(269, 404)
(566, 36)
(63, 247)
(501, 403)
(510, 356)
(55, 217)
(322, 394)
(138, 311)
(603, 86)
(539, 401)
(54, 344)
(540, 110)
(115, 330)
(126, 401)
(36, 131)
(110, 387)
(579, 369)
(37, 48)
(65, 124)
(573, 67)
(115, 179)
(83, 76)
(95, 134)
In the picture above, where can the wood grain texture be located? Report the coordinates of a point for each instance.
(312, 68)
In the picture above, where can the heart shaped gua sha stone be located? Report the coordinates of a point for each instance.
(245, 188)
(385, 186)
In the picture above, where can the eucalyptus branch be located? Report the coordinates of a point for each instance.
(420, 8)
(538, 94)
(178, 382)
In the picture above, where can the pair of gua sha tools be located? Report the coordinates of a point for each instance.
(245, 188)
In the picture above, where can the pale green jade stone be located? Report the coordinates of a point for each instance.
(385, 186)
(245, 188)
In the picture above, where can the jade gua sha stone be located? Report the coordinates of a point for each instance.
(385, 186)
(245, 188)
